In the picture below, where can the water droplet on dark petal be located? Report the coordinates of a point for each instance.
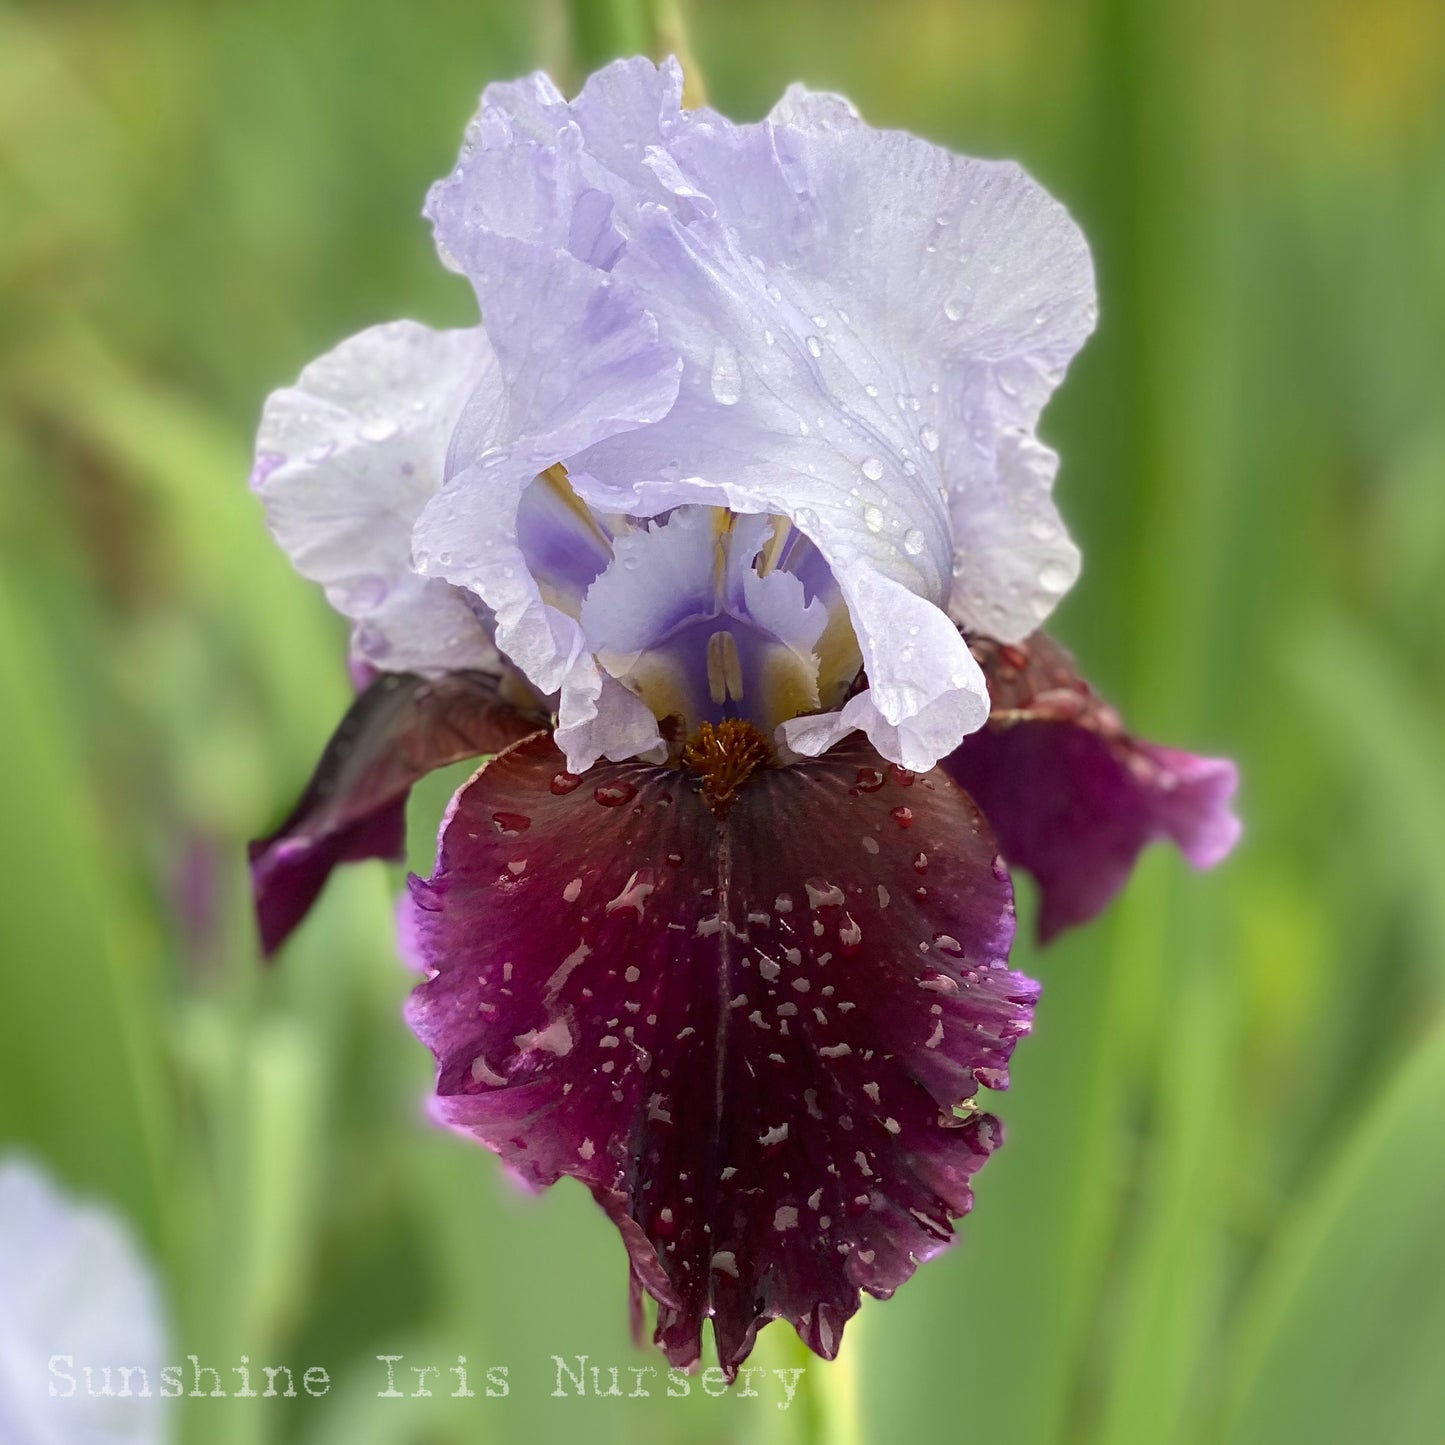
(614, 795)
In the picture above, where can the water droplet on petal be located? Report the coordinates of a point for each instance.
(510, 824)
(873, 518)
(727, 375)
(815, 347)
(614, 795)
(371, 642)
(913, 541)
(1053, 576)
(364, 594)
(873, 469)
(379, 429)
(564, 783)
(928, 435)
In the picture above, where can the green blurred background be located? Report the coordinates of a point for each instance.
(1219, 1214)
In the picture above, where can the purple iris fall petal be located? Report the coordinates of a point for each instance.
(748, 1027)
(1072, 796)
(354, 808)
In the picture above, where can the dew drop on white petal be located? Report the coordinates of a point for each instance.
(873, 518)
(363, 594)
(371, 642)
(815, 347)
(954, 308)
(378, 429)
(873, 469)
(727, 375)
(1053, 576)
(913, 541)
(928, 435)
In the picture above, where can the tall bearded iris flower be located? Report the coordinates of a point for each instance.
(727, 529)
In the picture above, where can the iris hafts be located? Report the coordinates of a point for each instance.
(728, 532)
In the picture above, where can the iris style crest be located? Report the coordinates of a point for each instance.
(728, 532)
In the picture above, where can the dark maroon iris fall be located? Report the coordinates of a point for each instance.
(748, 1005)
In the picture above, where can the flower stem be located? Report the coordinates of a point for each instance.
(597, 31)
(601, 30)
(669, 37)
(826, 1409)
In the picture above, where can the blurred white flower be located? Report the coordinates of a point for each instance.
(80, 1319)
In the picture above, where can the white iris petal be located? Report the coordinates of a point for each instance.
(807, 319)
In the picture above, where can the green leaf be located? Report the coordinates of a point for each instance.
(1343, 1337)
